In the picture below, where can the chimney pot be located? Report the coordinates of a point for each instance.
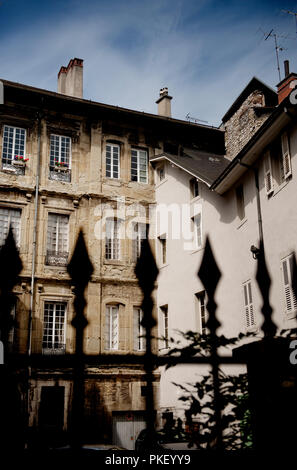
(286, 85)
(287, 68)
(70, 78)
(164, 103)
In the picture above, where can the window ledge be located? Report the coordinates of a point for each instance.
(290, 315)
(195, 199)
(280, 187)
(114, 262)
(164, 265)
(159, 183)
(197, 250)
(241, 223)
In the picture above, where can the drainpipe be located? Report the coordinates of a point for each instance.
(259, 212)
(32, 290)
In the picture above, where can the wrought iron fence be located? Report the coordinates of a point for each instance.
(266, 359)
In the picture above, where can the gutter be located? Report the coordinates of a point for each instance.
(32, 290)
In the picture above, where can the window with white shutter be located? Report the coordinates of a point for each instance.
(197, 223)
(112, 161)
(112, 239)
(57, 239)
(163, 327)
(112, 327)
(201, 311)
(290, 299)
(139, 165)
(54, 339)
(268, 174)
(163, 248)
(286, 158)
(139, 234)
(248, 305)
(10, 218)
(138, 330)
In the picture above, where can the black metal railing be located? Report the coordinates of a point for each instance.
(80, 269)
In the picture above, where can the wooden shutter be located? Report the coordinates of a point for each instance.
(286, 158)
(268, 174)
(290, 299)
(248, 305)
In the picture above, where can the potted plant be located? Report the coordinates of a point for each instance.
(19, 160)
(60, 166)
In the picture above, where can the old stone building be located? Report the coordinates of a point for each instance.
(69, 163)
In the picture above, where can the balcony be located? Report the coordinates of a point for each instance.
(60, 173)
(56, 349)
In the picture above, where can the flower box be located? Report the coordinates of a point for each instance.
(61, 168)
(19, 163)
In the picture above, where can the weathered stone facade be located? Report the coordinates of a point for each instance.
(244, 123)
(82, 193)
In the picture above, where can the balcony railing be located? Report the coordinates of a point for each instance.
(59, 173)
(56, 258)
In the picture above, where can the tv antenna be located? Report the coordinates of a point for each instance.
(276, 46)
(195, 120)
(292, 13)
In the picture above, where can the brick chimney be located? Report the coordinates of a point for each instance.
(285, 87)
(164, 103)
(70, 78)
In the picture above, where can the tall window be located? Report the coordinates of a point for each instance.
(139, 166)
(138, 330)
(240, 202)
(248, 305)
(290, 299)
(112, 161)
(112, 240)
(139, 233)
(10, 218)
(163, 248)
(161, 173)
(112, 327)
(14, 141)
(57, 239)
(54, 338)
(197, 223)
(163, 327)
(60, 151)
(194, 187)
(201, 310)
(285, 166)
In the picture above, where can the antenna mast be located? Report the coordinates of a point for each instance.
(277, 48)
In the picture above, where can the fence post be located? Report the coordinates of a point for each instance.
(80, 270)
(210, 274)
(146, 272)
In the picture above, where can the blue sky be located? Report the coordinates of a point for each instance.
(204, 51)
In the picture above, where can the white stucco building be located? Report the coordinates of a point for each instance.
(217, 196)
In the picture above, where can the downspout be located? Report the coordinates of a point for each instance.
(259, 212)
(32, 290)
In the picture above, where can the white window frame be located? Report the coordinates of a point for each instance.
(113, 243)
(112, 160)
(58, 232)
(286, 157)
(139, 234)
(48, 348)
(164, 327)
(138, 330)
(197, 225)
(16, 230)
(139, 179)
(60, 137)
(290, 300)
(202, 313)
(268, 177)
(13, 150)
(111, 325)
(249, 315)
(163, 249)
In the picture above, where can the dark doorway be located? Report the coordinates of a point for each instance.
(51, 410)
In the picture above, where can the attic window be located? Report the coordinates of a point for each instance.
(194, 188)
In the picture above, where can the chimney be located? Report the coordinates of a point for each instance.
(285, 87)
(70, 78)
(164, 103)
